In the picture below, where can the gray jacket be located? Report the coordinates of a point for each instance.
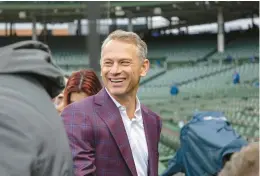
(33, 141)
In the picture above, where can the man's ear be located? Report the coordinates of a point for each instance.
(100, 63)
(145, 67)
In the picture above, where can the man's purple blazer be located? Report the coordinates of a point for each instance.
(98, 138)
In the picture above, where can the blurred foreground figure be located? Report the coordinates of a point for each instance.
(243, 163)
(33, 139)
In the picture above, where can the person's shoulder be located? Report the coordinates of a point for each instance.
(78, 111)
(83, 105)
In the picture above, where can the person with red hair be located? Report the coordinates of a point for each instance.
(81, 84)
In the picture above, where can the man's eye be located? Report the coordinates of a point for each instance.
(108, 63)
(125, 63)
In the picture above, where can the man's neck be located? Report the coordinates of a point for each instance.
(129, 102)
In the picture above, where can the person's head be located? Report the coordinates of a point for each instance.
(59, 99)
(123, 62)
(245, 162)
(80, 85)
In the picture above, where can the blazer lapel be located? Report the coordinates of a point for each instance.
(149, 134)
(111, 116)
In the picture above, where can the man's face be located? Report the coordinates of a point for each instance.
(121, 68)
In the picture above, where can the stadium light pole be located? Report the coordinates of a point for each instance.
(93, 37)
(130, 22)
(221, 32)
(34, 29)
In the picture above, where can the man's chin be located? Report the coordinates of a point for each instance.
(117, 93)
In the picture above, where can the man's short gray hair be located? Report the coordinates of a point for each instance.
(130, 37)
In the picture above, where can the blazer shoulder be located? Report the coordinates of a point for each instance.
(150, 112)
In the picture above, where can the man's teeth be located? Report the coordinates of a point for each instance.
(117, 80)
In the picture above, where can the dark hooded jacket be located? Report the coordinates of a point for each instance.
(207, 142)
(33, 139)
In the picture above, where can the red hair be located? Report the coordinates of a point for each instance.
(81, 81)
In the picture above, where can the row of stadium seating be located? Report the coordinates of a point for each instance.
(153, 72)
(219, 81)
(223, 79)
(181, 74)
(182, 50)
(242, 47)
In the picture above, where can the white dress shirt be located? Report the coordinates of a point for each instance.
(136, 136)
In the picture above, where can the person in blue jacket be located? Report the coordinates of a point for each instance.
(236, 78)
(207, 144)
(174, 90)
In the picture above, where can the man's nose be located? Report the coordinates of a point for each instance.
(115, 69)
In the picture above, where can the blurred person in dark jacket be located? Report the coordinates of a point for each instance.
(33, 139)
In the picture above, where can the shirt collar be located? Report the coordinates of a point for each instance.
(118, 105)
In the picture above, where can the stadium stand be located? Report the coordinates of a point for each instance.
(207, 87)
(161, 85)
(222, 80)
(245, 45)
(182, 48)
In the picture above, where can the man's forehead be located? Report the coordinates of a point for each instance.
(119, 52)
(118, 46)
(119, 42)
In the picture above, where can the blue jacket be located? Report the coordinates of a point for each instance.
(205, 140)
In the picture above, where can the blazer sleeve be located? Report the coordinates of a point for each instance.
(159, 128)
(80, 135)
(18, 151)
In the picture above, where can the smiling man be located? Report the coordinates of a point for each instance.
(111, 133)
